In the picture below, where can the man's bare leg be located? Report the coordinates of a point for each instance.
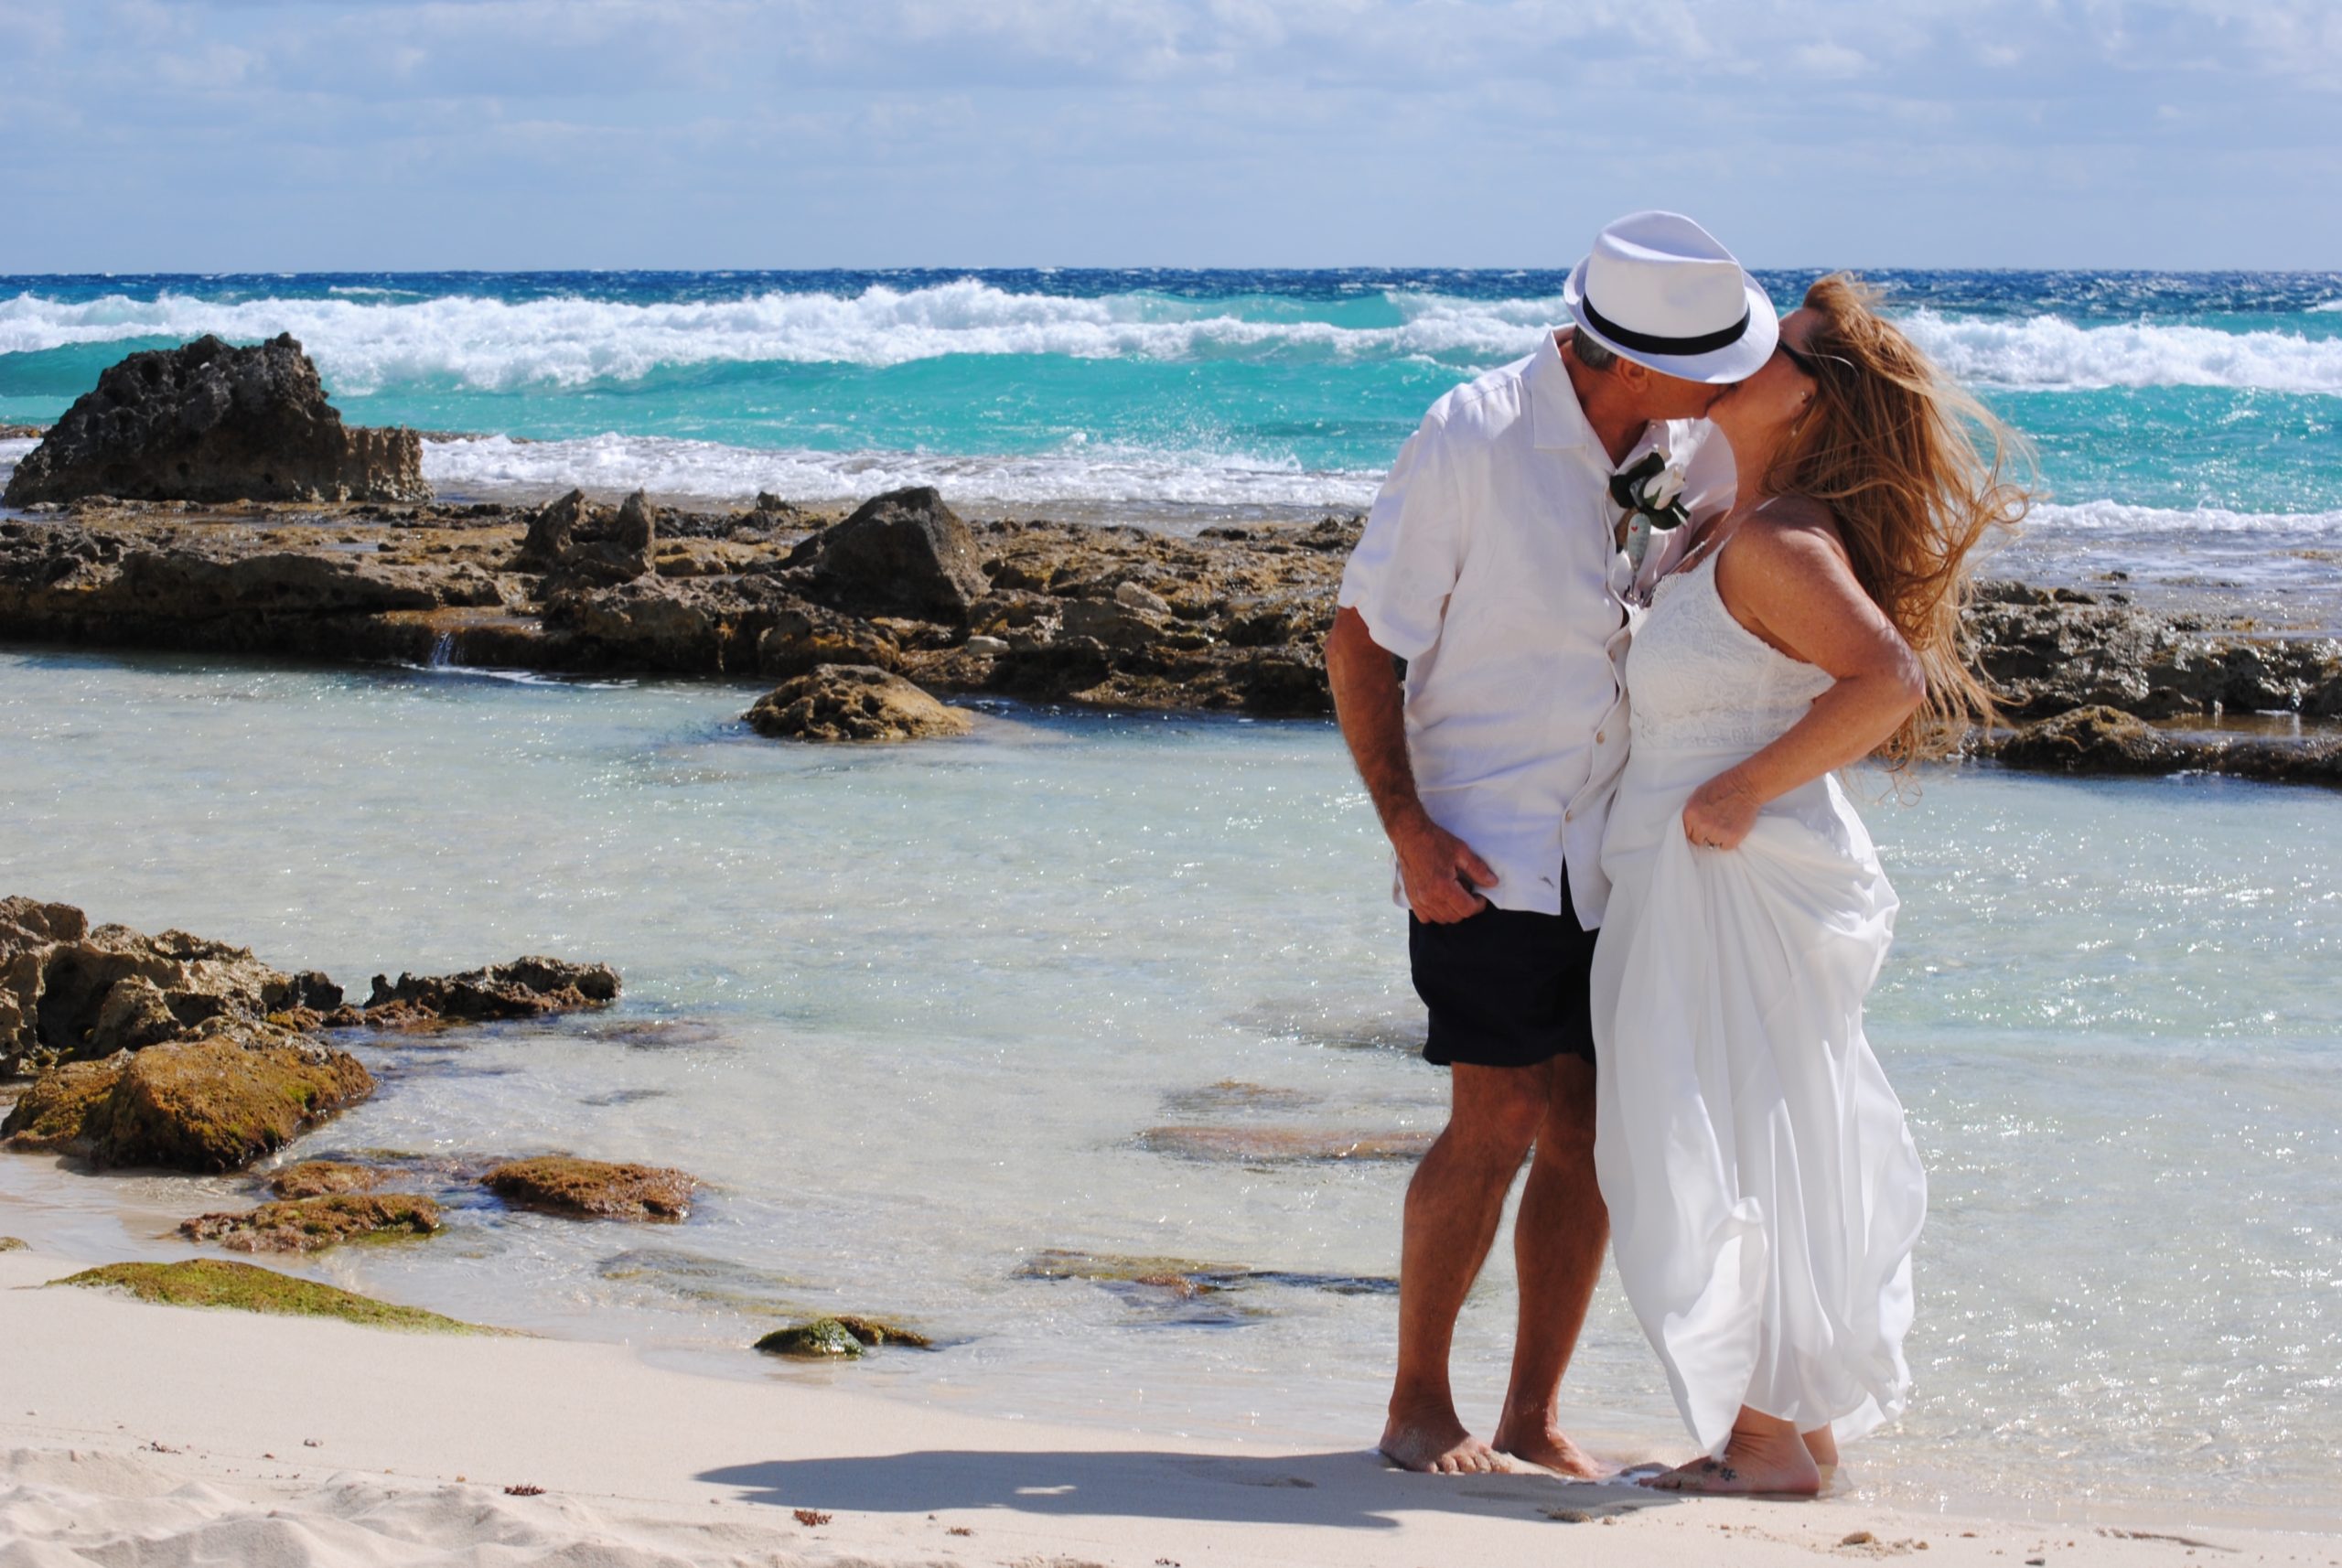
(1557, 1241)
(1454, 1204)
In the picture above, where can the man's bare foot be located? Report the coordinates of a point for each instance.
(1438, 1446)
(1750, 1464)
(1547, 1446)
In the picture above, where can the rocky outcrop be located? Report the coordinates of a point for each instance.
(217, 1099)
(525, 988)
(577, 545)
(313, 1224)
(211, 423)
(2048, 651)
(901, 554)
(593, 1190)
(2103, 740)
(71, 992)
(853, 701)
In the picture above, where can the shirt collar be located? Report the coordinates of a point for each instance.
(1560, 422)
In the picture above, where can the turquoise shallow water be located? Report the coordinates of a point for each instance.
(909, 1012)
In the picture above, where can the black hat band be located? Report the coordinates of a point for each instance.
(1651, 343)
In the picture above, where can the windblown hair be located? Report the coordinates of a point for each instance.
(1915, 470)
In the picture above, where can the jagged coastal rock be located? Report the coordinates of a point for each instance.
(69, 992)
(205, 421)
(901, 554)
(525, 988)
(851, 702)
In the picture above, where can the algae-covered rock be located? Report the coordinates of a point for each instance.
(55, 1111)
(11, 1244)
(853, 703)
(216, 1281)
(312, 1224)
(214, 1102)
(842, 1337)
(320, 1178)
(526, 988)
(594, 1189)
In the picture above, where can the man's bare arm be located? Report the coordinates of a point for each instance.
(1438, 869)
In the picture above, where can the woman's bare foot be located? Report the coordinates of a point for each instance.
(1437, 1444)
(1762, 1455)
(1823, 1444)
(1548, 1446)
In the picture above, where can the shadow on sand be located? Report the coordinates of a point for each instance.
(1356, 1489)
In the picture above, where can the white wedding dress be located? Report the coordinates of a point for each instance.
(1764, 1192)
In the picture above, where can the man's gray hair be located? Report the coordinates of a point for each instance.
(1591, 354)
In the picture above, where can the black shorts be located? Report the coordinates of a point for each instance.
(1506, 987)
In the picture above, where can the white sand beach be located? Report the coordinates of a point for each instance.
(136, 1434)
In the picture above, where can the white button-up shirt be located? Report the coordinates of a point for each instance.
(1490, 565)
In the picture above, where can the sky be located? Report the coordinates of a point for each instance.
(392, 134)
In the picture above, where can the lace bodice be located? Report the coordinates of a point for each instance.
(1697, 679)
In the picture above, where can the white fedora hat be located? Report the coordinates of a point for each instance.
(1658, 290)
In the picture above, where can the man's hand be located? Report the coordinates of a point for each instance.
(1440, 871)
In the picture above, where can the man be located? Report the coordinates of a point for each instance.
(1491, 565)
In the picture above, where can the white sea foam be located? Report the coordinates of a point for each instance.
(365, 342)
(2051, 353)
(1091, 473)
(362, 345)
(2100, 518)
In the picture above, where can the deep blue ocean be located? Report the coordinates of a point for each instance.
(2186, 424)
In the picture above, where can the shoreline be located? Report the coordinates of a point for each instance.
(320, 1438)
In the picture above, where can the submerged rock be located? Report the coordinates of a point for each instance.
(851, 702)
(525, 988)
(1159, 1282)
(901, 554)
(71, 992)
(594, 1189)
(11, 1244)
(1282, 1145)
(217, 1100)
(2089, 740)
(216, 1281)
(312, 1224)
(211, 423)
(321, 1178)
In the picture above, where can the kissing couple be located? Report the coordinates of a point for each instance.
(1650, 589)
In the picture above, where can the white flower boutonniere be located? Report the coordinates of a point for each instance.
(1650, 493)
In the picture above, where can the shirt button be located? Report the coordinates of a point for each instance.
(1569, 816)
(1599, 737)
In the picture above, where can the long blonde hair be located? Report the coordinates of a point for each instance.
(1912, 467)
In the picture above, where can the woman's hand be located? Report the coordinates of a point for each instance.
(1721, 811)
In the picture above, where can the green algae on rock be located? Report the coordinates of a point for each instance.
(311, 1224)
(594, 1189)
(216, 1281)
(11, 1244)
(842, 1337)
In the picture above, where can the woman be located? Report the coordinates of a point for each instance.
(1764, 1192)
